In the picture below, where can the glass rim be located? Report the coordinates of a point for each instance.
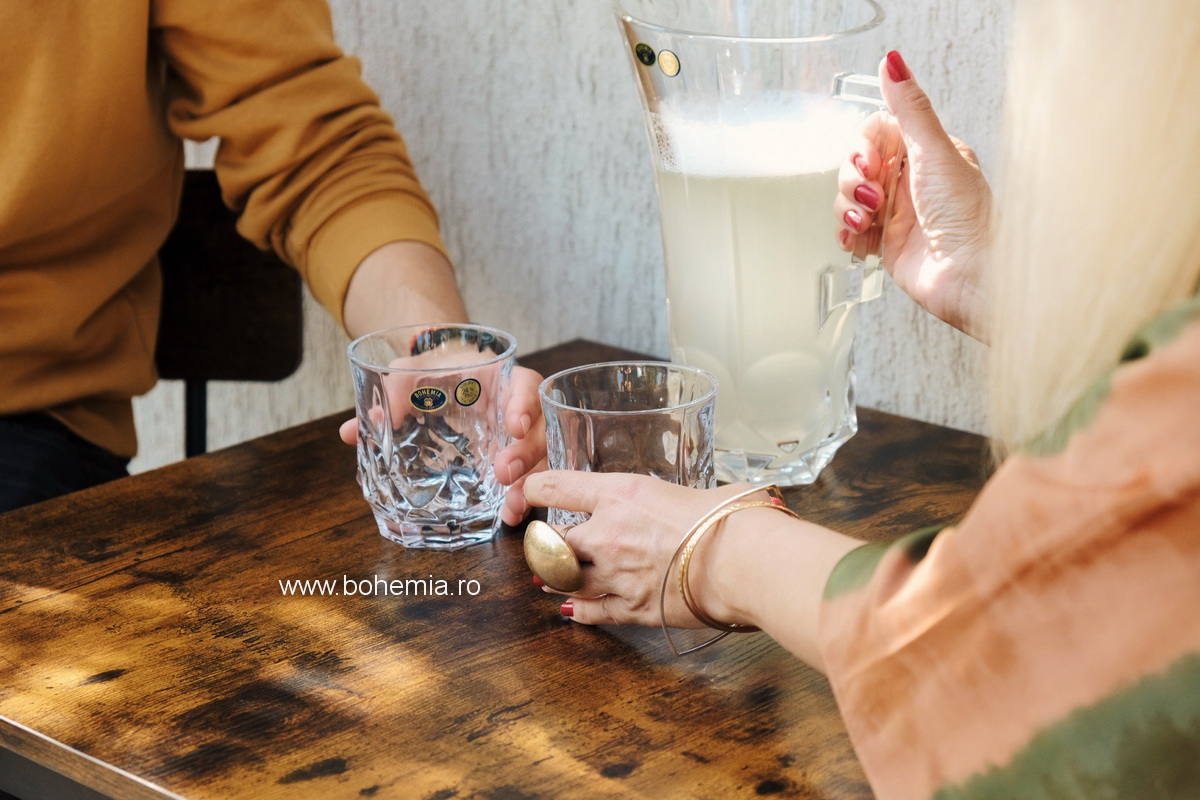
(362, 363)
(701, 400)
(875, 21)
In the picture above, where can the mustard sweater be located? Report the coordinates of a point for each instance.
(95, 98)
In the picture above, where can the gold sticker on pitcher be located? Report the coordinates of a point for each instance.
(668, 62)
(467, 392)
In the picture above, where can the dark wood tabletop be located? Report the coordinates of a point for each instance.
(148, 649)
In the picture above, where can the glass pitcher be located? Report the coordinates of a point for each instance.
(751, 108)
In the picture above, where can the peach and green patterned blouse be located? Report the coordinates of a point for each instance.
(1048, 647)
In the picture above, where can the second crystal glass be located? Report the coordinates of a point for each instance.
(645, 417)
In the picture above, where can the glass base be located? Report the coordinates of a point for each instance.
(429, 535)
(793, 469)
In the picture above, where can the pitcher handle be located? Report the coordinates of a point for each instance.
(861, 280)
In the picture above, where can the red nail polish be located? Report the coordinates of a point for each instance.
(897, 69)
(853, 219)
(860, 164)
(538, 581)
(867, 196)
(567, 609)
(843, 237)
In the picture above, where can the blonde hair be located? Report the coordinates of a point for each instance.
(1098, 207)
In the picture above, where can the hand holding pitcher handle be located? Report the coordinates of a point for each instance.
(936, 240)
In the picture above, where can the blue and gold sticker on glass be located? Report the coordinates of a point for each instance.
(427, 398)
(467, 392)
(645, 53)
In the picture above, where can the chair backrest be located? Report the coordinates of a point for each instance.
(230, 311)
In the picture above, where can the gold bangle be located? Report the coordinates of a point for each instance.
(775, 502)
(685, 560)
(684, 552)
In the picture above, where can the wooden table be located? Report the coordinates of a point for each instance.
(147, 649)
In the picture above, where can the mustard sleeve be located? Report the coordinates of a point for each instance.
(307, 156)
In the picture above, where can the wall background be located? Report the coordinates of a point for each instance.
(523, 122)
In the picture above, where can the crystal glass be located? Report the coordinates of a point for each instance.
(430, 402)
(646, 417)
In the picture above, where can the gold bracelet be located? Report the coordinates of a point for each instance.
(775, 501)
(684, 552)
(685, 560)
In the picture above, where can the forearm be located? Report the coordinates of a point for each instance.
(402, 283)
(766, 569)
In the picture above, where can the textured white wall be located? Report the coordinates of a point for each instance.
(524, 124)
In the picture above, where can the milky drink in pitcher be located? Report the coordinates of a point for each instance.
(748, 232)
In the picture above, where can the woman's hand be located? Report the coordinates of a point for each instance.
(625, 548)
(756, 567)
(525, 454)
(935, 244)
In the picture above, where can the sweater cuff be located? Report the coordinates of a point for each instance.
(358, 230)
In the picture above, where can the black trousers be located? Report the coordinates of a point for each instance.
(41, 458)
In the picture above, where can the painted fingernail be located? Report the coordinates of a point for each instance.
(567, 609)
(860, 164)
(538, 581)
(853, 219)
(526, 423)
(867, 196)
(897, 69)
(844, 237)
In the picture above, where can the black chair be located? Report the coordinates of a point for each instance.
(230, 312)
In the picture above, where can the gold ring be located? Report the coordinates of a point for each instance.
(551, 558)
